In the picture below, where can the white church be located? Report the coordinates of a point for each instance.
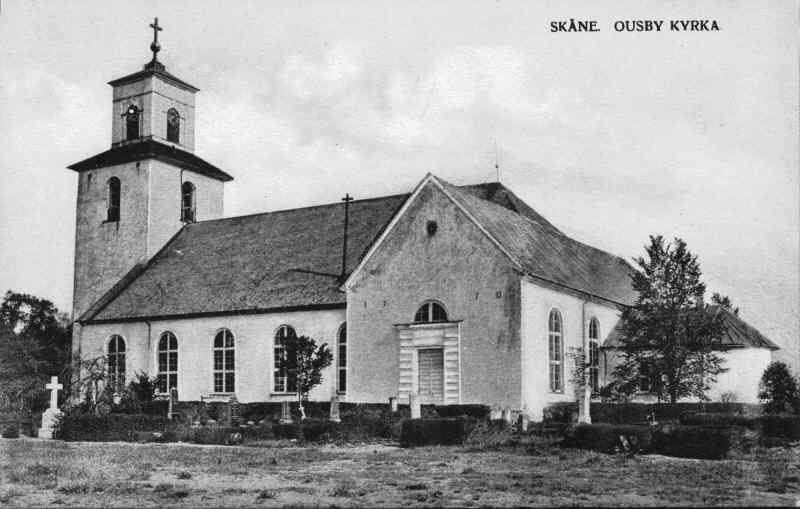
(461, 294)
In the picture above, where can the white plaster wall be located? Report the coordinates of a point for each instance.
(254, 335)
(536, 302)
(745, 367)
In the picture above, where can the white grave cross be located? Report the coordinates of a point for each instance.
(54, 387)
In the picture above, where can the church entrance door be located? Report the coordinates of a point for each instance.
(431, 376)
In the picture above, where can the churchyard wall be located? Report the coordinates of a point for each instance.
(254, 340)
(537, 302)
(457, 266)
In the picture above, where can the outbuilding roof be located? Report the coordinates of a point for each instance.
(738, 333)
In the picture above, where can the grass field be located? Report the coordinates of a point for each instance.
(35, 472)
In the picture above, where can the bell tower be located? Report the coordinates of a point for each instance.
(135, 196)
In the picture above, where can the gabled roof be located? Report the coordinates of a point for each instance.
(291, 259)
(151, 149)
(738, 333)
(546, 253)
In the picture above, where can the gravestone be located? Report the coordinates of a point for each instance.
(51, 415)
(524, 422)
(173, 398)
(495, 413)
(234, 411)
(416, 408)
(335, 417)
(393, 404)
(286, 416)
(506, 416)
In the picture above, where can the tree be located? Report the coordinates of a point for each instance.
(35, 341)
(669, 335)
(778, 389)
(304, 361)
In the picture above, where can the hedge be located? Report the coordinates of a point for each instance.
(437, 431)
(703, 442)
(638, 413)
(604, 437)
(106, 428)
(770, 426)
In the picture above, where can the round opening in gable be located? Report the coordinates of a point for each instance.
(431, 227)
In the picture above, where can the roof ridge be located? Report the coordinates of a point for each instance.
(283, 211)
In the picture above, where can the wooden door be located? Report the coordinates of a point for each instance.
(431, 375)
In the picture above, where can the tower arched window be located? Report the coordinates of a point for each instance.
(187, 202)
(113, 199)
(132, 116)
(173, 125)
(430, 312)
(224, 362)
(284, 379)
(341, 358)
(116, 363)
(167, 362)
(556, 351)
(594, 355)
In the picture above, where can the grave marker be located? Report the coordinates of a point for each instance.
(51, 415)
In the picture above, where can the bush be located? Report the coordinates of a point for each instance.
(106, 428)
(211, 435)
(11, 431)
(487, 435)
(778, 389)
(638, 413)
(474, 411)
(785, 426)
(441, 431)
(607, 437)
(703, 442)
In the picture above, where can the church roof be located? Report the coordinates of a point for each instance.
(546, 253)
(738, 333)
(154, 68)
(151, 149)
(291, 259)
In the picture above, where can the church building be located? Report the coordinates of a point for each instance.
(461, 294)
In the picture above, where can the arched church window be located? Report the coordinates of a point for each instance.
(341, 360)
(173, 125)
(556, 351)
(167, 362)
(116, 363)
(113, 199)
(224, 364)
(594, 355)
(187, 202)
(430, 312)
(132, 122)
(284, 380)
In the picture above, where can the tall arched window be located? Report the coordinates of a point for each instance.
(113, 199)
(594, 355)
(284, 379)
(187, 202)
(116, 363)
(132, 122)
(556, 353)
(224, 365)
(430, 312)
(167, 362)
(341, 358)
(173, 125)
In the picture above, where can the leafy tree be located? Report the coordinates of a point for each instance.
(670, 334)
(35, 341)
(778, 389)
(304, 361)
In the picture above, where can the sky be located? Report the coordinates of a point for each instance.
(612, 136)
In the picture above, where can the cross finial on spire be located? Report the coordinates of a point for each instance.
(155, 47)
